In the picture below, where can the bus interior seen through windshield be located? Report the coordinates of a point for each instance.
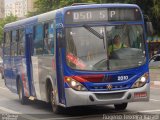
(93, 47)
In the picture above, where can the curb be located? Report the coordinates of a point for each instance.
(155, 84)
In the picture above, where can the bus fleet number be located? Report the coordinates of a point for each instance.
(122, 78)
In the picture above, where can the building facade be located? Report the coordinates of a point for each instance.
(2, 9)
(30, 5)
(19, 8)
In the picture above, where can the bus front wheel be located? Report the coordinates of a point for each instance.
(23, 99)
(122, 106)
(56, 109)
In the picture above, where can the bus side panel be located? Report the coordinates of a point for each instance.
(15, 64)
(42, 71)
(7, 71)
(19, 73)
(43, 67)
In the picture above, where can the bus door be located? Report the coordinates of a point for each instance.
(59, 64)
(28, 53)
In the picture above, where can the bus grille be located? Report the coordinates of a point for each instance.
(114, 87)
(108, 96)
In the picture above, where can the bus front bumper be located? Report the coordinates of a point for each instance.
(79, 98)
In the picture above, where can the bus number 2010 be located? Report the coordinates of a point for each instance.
(122, 78)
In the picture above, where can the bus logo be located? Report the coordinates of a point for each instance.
(109, 87)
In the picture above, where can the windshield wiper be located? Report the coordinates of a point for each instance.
(94, 32)
(100, 36)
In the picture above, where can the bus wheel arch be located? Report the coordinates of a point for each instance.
(51, 98)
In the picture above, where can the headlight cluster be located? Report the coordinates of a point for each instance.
(141, 81)
(75, 84)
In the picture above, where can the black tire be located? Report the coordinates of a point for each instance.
(122, 106)
(23, 99)
(55, 108)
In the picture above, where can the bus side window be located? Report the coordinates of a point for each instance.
(14, 40)
(48, 38)
(38, 40)
(7, 43)
(21, 42)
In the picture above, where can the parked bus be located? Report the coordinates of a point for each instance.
(69, 57)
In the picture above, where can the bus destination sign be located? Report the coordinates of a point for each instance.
(102, 15)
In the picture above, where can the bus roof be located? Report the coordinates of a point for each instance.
(31, 20)
(51, 15)
(101, 5)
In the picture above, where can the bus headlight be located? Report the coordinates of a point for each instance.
(75, 84)
(141, 81)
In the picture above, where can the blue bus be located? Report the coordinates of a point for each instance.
(79, 55)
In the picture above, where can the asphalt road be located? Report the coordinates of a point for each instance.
(36, 110)
(155, 74)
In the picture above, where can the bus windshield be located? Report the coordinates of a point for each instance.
(121, 47)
